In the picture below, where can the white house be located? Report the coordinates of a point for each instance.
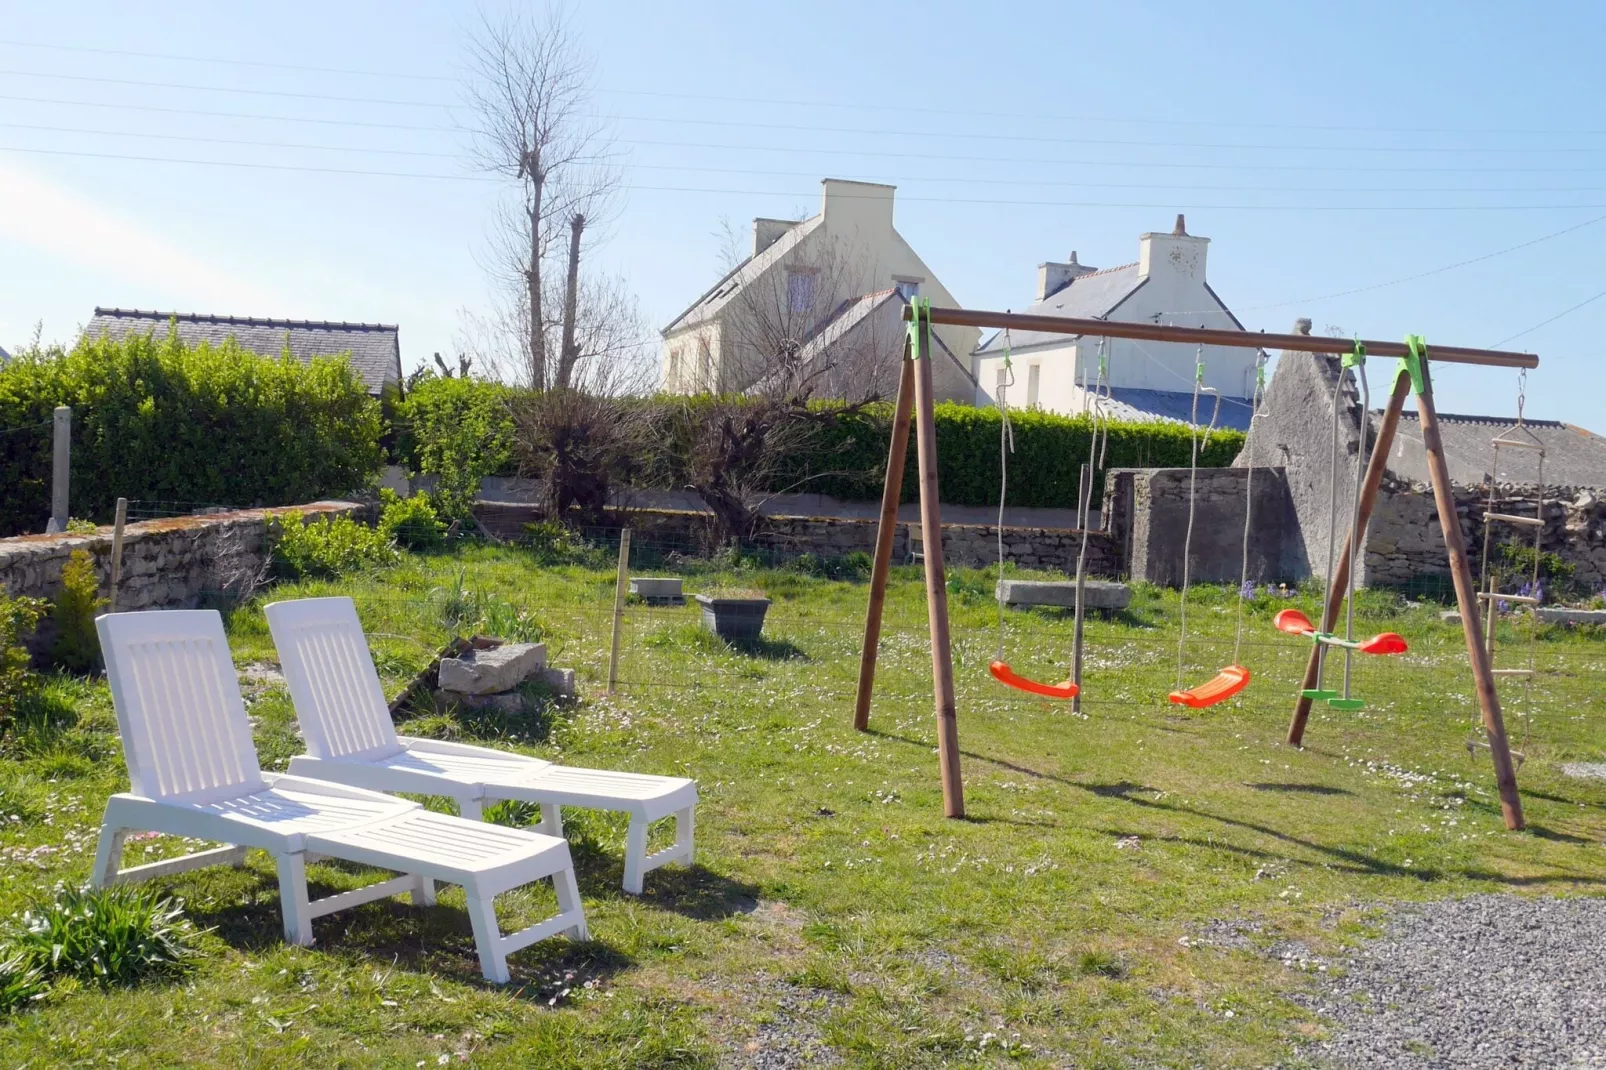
(1148, 380)
(830, 288)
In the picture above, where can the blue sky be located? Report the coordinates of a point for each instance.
(1323, 151)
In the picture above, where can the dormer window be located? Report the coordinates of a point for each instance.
(908, 289)
(799, 291)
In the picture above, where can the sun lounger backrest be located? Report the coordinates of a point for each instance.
(185, 732)
(338, 697)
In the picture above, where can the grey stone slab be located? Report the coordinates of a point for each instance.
(658, 588)
(561, 681)
(1096, 594)
(1559, 615)
(1451, 616)
(488, 672)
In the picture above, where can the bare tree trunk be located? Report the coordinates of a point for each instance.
(533, 274)
(569, 353)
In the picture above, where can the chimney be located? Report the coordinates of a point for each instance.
(1177, 255)
(1302, 325)
(1052, 277)
(766, 232)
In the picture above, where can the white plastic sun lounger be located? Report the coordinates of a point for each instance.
(194, 772)
(351, 739)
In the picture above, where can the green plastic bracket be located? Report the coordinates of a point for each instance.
(1319, 694)
(1347, 704)
(1198, 373)
(920, 309)
(1411, 363)
(1354, 357)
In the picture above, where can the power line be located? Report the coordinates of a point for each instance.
(815, 103)
(190, 87)
(811, 151)
(228, 62)
(1552, 319)
(256, 143)
(805, 128)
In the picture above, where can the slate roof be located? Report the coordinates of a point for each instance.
(1136, 403)
(375, 348)
(853, 312)
(1089, 296)
(719, 295)
(1574, 457)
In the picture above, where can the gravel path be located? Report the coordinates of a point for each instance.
(1487, 981)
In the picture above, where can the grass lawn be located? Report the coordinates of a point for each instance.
(1135, 885)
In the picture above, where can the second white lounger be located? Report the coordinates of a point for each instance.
(351, 739)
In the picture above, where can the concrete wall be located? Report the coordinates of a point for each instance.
(1148, 510)
(166, 563)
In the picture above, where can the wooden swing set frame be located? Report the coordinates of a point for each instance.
(915, 406)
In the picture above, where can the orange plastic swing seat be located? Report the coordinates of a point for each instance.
(1010, 678)
(1228, 682)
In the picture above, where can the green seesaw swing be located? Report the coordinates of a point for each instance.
(1294, 622)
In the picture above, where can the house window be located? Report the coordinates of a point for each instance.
(1001, 383)
(674, 380)
(799, 290)
(908, 289)
(1034, 379)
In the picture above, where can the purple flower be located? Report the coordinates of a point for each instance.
(1503, 606)
(1247, 590)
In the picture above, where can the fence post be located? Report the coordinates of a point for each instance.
(117, 551)
(60, 468)
(620, 583)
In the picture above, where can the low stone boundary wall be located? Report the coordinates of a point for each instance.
(166, 563)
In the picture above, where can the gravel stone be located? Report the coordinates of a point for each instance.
(1585, 770)
(790, 1039)
(1485, 981)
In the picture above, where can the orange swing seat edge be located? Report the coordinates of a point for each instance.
(1010, 678)
(1228, 682)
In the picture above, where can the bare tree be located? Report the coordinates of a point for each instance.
(529, 87)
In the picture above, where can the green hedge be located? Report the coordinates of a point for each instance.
(156, 419)
(849, 455)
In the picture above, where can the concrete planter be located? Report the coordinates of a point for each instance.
(734, 618)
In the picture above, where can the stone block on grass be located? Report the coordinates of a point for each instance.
(1096, 594)
(489, 672)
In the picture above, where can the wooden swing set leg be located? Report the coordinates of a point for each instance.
(1335, 592)
(1467, 600)
(897, 453)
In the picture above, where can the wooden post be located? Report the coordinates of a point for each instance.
(620, 582)
(891, 492)
(1084, 500)
(942, 664)
(117, 551)
(1466, 598)
(1375, 468)
(60, 468)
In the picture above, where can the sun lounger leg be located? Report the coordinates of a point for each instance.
(470, 808)
(108, 856)
(635, 854)
(293, 899)
(568, 890)
(424, 894)
(551, 820)
(685, 821)
(487, 936)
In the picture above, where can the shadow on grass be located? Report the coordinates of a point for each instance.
(1301, 789)
(768, 649)
(436, 940)
(1350, 860)
(695, 892)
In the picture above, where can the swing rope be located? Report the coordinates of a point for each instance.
(1193, 483)
(1356, 359)
(1249, 502)
(1006, 446)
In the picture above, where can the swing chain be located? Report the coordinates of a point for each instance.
(1522, 393)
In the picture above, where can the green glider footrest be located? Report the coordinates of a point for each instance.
(1319, 694)
(1346, 703)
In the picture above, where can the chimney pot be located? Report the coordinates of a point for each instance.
(1181, 229)
(1302, 325)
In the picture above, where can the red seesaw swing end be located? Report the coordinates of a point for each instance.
(1010, 678)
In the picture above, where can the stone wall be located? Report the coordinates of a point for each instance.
(1406, 544)
(1148, 511)
(166, 563)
